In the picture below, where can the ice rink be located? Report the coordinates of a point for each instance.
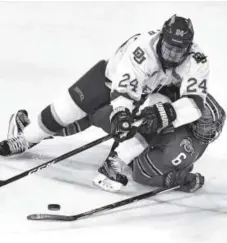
(44, 48)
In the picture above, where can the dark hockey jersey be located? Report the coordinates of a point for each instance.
(170, 151)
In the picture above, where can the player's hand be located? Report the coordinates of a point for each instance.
(121, 122)
(189, 182)
(156, 117)
(192, 182)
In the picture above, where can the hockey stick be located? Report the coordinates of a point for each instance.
(56, 160)
(55, 217)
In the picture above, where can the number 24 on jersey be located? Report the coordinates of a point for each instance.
(126, 83)
(194, 87)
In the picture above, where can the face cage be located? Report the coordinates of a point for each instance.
(207, 133)
(172, 54)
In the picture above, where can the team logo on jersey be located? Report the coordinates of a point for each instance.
(200, 57)
(80, 93)
(139, 55)
(187, 144)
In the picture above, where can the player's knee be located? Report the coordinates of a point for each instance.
(61, 113)
(48, 121)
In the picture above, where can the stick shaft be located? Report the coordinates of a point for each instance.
(123, 202)
(100, 209)
(56, 160)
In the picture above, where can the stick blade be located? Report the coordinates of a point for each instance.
(50, 217)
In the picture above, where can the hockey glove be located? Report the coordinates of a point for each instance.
(121, 122)
(156, 117)
(189, 182)
(192, 182)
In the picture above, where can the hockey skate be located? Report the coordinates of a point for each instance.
(110, 177)
(17, 123)
(16, 143)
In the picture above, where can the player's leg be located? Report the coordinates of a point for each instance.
(83, 98)
(20, 120)
(75, 127)
(111, 174)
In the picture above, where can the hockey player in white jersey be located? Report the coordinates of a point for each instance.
(142, 65)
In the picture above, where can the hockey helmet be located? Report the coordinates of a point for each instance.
(175, 41)
(209, 126)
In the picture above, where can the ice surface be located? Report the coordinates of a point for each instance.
(45, 47)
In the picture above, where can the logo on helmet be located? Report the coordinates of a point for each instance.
(187, 144)
(180, 32)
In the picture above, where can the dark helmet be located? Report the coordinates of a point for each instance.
(209, 126)
(175, 41)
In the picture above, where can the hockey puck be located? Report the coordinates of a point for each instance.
(54, 207)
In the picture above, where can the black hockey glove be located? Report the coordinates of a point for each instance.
(189, 182)
(121, 123)
(156, 117)
(192, 182)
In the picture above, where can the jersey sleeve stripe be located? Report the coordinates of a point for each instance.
(158, 172)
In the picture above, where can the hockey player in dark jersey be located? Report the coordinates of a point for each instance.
(167, 157)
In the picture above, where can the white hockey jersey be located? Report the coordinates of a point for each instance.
(135, 68)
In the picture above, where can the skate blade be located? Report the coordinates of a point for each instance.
(107, 184)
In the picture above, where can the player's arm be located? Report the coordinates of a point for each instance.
(185, 110)
(127, 71)
(188, 182)
(193, 91)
